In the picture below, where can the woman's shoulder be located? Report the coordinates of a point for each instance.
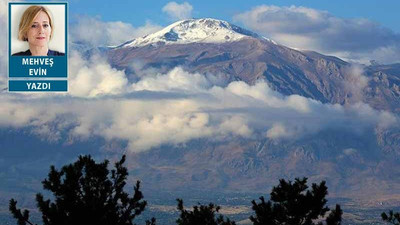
(55, 53)
(25, 53)
(49, 53)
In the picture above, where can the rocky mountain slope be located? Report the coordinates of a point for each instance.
(249, 57)
(353, 164)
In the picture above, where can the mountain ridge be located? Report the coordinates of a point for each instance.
(203, 30)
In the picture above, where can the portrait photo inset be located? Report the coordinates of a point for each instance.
(37, 49)
(35, 32)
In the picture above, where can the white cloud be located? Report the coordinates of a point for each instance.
(93, 31)
(174, 108)
(94, 77)
(306, 28)
(278, 130)
(354, 82)
(235, 125)
(178, 11)
(177, 78)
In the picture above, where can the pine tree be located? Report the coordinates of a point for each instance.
(393, 218)
(292, 204)
(201, 215)
(85, 193)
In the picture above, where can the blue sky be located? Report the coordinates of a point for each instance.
(137, 12)
(357, 31)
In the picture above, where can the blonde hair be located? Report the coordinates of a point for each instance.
(27, 19)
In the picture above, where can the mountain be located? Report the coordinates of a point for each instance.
(352, 164)
(193, 31)
(199, 46)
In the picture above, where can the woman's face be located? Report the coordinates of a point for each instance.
(39, 33)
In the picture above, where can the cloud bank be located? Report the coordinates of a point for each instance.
(306, 28)
(174, 108)
(178, 11)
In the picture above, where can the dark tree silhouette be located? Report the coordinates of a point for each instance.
(393, 218)
(292, 204)
(86, 193)
(335, 217)
(201, 215)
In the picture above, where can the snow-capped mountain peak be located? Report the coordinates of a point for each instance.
(204, 30)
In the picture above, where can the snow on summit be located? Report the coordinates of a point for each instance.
(194, 30)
